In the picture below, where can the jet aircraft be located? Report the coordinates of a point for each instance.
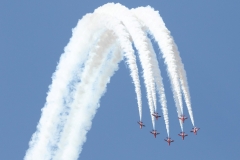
(155, 114)
(194, 130)
(182, 134)
(182, 118)
(169, 140)
(154, 132)
(141, 124)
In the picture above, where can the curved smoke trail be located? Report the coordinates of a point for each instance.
(156, 27)
(138, 36)
(98, 44)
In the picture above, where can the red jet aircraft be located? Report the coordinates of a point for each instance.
(194, 130)
(182, 118)
(169, 140)
(155, 114)
(182, 134)
(154, 132)
(141, 124)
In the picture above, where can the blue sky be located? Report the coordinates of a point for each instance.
(34, 34)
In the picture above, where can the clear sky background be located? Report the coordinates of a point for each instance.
(33, 35)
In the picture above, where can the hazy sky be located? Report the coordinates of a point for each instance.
(34, 34)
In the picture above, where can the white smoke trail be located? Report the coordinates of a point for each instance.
(39, 144)
(180, 66)
(43, 138)
(154, 23)
(120, 31)
(72, 105)
(184, 83)
(84, 99)
(123, 39)
(159, 84)
(138, 36)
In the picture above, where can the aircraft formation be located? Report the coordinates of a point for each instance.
(168, 139)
